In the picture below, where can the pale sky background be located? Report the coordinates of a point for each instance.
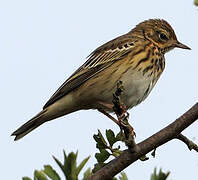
(42, 42)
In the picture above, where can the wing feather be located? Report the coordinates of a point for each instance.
(97, 61)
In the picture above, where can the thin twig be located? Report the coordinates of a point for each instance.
(123, 116)
(191, 145)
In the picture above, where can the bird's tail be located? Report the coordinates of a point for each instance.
(32, 124)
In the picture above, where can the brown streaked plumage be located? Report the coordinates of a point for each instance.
(136, 58)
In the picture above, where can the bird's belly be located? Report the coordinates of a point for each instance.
(100, 96)
(137, 88)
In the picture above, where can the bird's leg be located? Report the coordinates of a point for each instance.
(120, 117)
(109, 116)
(123, 122)
(124, 126)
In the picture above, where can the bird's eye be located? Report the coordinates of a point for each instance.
(163, 37)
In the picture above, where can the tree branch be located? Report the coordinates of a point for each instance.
(166, 134)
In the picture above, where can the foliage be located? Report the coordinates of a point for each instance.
(160, 176)
(69, 168)
(106, 147)
(196, 2)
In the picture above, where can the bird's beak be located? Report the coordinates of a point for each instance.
(180, 45)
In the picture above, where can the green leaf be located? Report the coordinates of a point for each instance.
(100, 146)
(111, 137)
(81, 165)
(123, 176)
(102, 138)
(102, 156)
(196, 2)
(60, 165)
(65, 165)
(26, 178)
(71, 165)
(51, 173)
(119, 136)
(70, 168)
(144, 158)
(39, 175)
(160, 176)
(96, 138)
(87, 174)
(116, 152)
(65, 158)
(154, 175)
(100, 143)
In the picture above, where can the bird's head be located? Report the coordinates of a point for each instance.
(160, 33)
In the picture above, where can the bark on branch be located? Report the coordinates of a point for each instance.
(168, 133)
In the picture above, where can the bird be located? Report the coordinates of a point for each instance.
(137, 59)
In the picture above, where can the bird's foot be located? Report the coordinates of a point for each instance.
(124, 124)
(123, 118)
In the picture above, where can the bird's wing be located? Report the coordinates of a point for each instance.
(98, 60)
